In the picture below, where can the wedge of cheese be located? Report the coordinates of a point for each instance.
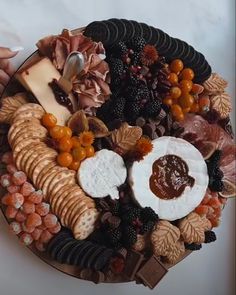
(35, 78)
(191, 197)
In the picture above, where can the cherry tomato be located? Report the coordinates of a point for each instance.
(176, 66)
(64, 159)
(65, 144)
(74, 165)
(75, 141)
(89, 151)
(49, 120)
(185, 86)
(56, 132)
(173, 78)
(186, 101)
(187, 74)
(67, 131)
(175, 92)
(79, 154)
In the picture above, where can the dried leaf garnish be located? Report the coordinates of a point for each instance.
(215, 84)
(175, 252)
(126, 136)
(163, 237)
(222, 104)
(192, 229)
(10, 104)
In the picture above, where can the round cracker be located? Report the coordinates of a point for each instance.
(85, 224)
(59, 177)
(40, 167)
(27, 107)
(27, 135)
(44, 171)
(68, 179)
(46, 154)
(48, 178)
(80, 207)
(32, 155)
(14, 126)
(65, 190)
(28, 114)
(24, 143)
(46, 175)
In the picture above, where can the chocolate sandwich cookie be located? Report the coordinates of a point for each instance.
(185, 52)
(200, 62)
(190, 57)
(57, 247)
(130, 30)
(93, 257)
(173, 50)
(161, 41)
(103, 259)
(87, 255)
(147, 32)
(163, 50)
(57, 238)
(155, 36)
(137, 28)
(98, 31)
(81, 252)
(204, 75)
(70, 259)
(113, 30)
(120, 27)
(62, 254)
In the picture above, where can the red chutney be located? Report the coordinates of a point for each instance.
(170, 177)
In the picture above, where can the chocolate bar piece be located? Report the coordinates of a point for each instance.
(151, 272)
(132, 264)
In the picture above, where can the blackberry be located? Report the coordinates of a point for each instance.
(136, 43)
(114, 236)
(193, 246)
(133, 110)
(146, 227)
(116, 67)
(210, 236)
(215, 158)
(148, 213)
(129, 235)
(216, 185)
(120, 49)
(115, 208)
(152, 108)
(217, 173)
(117, 108)
(135, 59)
(133, 80)
(131, 215)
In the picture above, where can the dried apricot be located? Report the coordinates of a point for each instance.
(45, 236)
(33, 220)
(26, 239)
(36, 234)
(5, 180)
(11, 168)
(15, 227)
(19, 177)
(42, 209)
(28, 207)
(36, 197)
(16, 200)
(13, 189)
(50, 220)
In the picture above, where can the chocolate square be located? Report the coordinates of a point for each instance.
(152, 272)
(132, 264)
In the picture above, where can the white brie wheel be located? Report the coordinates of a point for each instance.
(171, 209)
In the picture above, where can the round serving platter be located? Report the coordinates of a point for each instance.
(13, 87)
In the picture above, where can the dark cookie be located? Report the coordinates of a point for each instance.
(62, 254)
(103, 259)
(80, 252)
(58, 247)
(138, 28)
(204, 75)
(147, 32)
(185, 52)
(57, 238)
(173, 50)
(92, 259)
(120, 26)
(71, 256)
(161, 42)
(98, 31)
(155, 37)
(87, 255)
(114, 33)
(166, 47)
(130, 30)
(190, 57)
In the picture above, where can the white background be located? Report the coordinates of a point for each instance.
(206, 24)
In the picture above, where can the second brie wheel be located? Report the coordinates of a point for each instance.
(190, 198)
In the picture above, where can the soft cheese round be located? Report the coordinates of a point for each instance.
(102, 174)
(140, 173)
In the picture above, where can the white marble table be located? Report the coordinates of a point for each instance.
(206, 24)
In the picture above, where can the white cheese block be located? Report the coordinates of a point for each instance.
(102, 174)
(140, 173)
(35, 78)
